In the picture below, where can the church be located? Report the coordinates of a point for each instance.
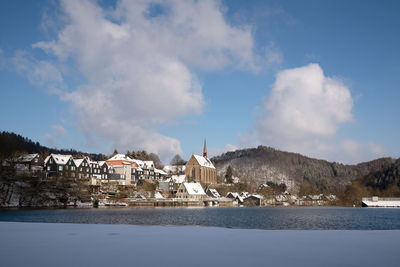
(200, 169)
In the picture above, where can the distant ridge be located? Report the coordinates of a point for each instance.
(265, 164)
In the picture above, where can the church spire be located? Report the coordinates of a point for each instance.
(205, 149)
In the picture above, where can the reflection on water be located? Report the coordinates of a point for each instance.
(253, 218)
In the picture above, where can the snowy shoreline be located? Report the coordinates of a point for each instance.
(51, 244)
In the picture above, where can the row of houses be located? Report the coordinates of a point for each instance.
(119, 168)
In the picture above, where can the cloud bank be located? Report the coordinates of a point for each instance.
(137, 63)
(304, 112)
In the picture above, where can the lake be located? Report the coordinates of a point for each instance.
(293, 218)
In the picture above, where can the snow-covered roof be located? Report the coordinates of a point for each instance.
(214, 192)
(101, 163)
(205, 162)
(78, 162)
(245, 194)
(236, 196)
(148, 163)
(194, 189)
(59, 159)
(120, 157)
(160, 171)
(139, 162)
(157, 195)
(27, 157)
(178, 179)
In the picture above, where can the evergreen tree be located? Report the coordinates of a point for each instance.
(228, 175)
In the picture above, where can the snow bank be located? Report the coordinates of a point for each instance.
(46, 244)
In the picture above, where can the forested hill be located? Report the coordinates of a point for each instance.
(266, 164)
(14, 144)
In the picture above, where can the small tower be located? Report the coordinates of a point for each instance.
(205, 149)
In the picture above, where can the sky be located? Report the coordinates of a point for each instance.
(318, 78)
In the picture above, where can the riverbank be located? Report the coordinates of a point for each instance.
(48, 244)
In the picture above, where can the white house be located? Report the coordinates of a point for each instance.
(191, 191)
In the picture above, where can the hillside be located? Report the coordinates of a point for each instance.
(262, 164)
(14, 144)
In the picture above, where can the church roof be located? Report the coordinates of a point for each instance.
(204, 162)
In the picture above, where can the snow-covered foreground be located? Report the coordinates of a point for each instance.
(47, 244)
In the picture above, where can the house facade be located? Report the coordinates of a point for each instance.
(60, 165)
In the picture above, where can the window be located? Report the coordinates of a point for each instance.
(51, 160)
(48, 168)
(60, 168)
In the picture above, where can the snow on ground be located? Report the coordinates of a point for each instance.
(47, 244)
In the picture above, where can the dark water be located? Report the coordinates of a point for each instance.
(251, 218)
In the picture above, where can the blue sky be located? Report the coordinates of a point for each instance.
(213, 75)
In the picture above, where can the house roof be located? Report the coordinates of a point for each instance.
(214, 192)
(194, 188)
(78, 162)
(160, 171)
(118, 157)
(178, 179)
(59, 159)
(26, 158)
(204, 162)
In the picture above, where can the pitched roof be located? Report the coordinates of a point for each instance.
(160, 171)
(214, 192)
(59, 159)
(204, 162)
(194, 188)
(27, 157)
(78, 162)
(120, 157)
(178, 179)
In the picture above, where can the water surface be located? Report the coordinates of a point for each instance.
(325, 218)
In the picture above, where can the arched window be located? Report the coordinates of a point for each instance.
(193, 173)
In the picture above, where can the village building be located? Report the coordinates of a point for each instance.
(200, 169)
(105, 170)
(60, 165)
(95, 169)
(122, 166)
(82, 168)
(211, 192)
(191, 191)
(253, 200)
(28, 163)
(235, 196)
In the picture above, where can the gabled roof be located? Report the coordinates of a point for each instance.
(120, 157)
(194, 189)
(59, 159)
(160, 171)
(213, 192)
(26, 158)
(178, 179)
(204, 162)
(78, 162)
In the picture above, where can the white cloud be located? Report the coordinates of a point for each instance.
(138, 60)
(273, 55)
(40, 73)
(303, 113)
(58, 130)
(212, 151)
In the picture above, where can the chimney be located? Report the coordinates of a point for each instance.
(205, 149)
